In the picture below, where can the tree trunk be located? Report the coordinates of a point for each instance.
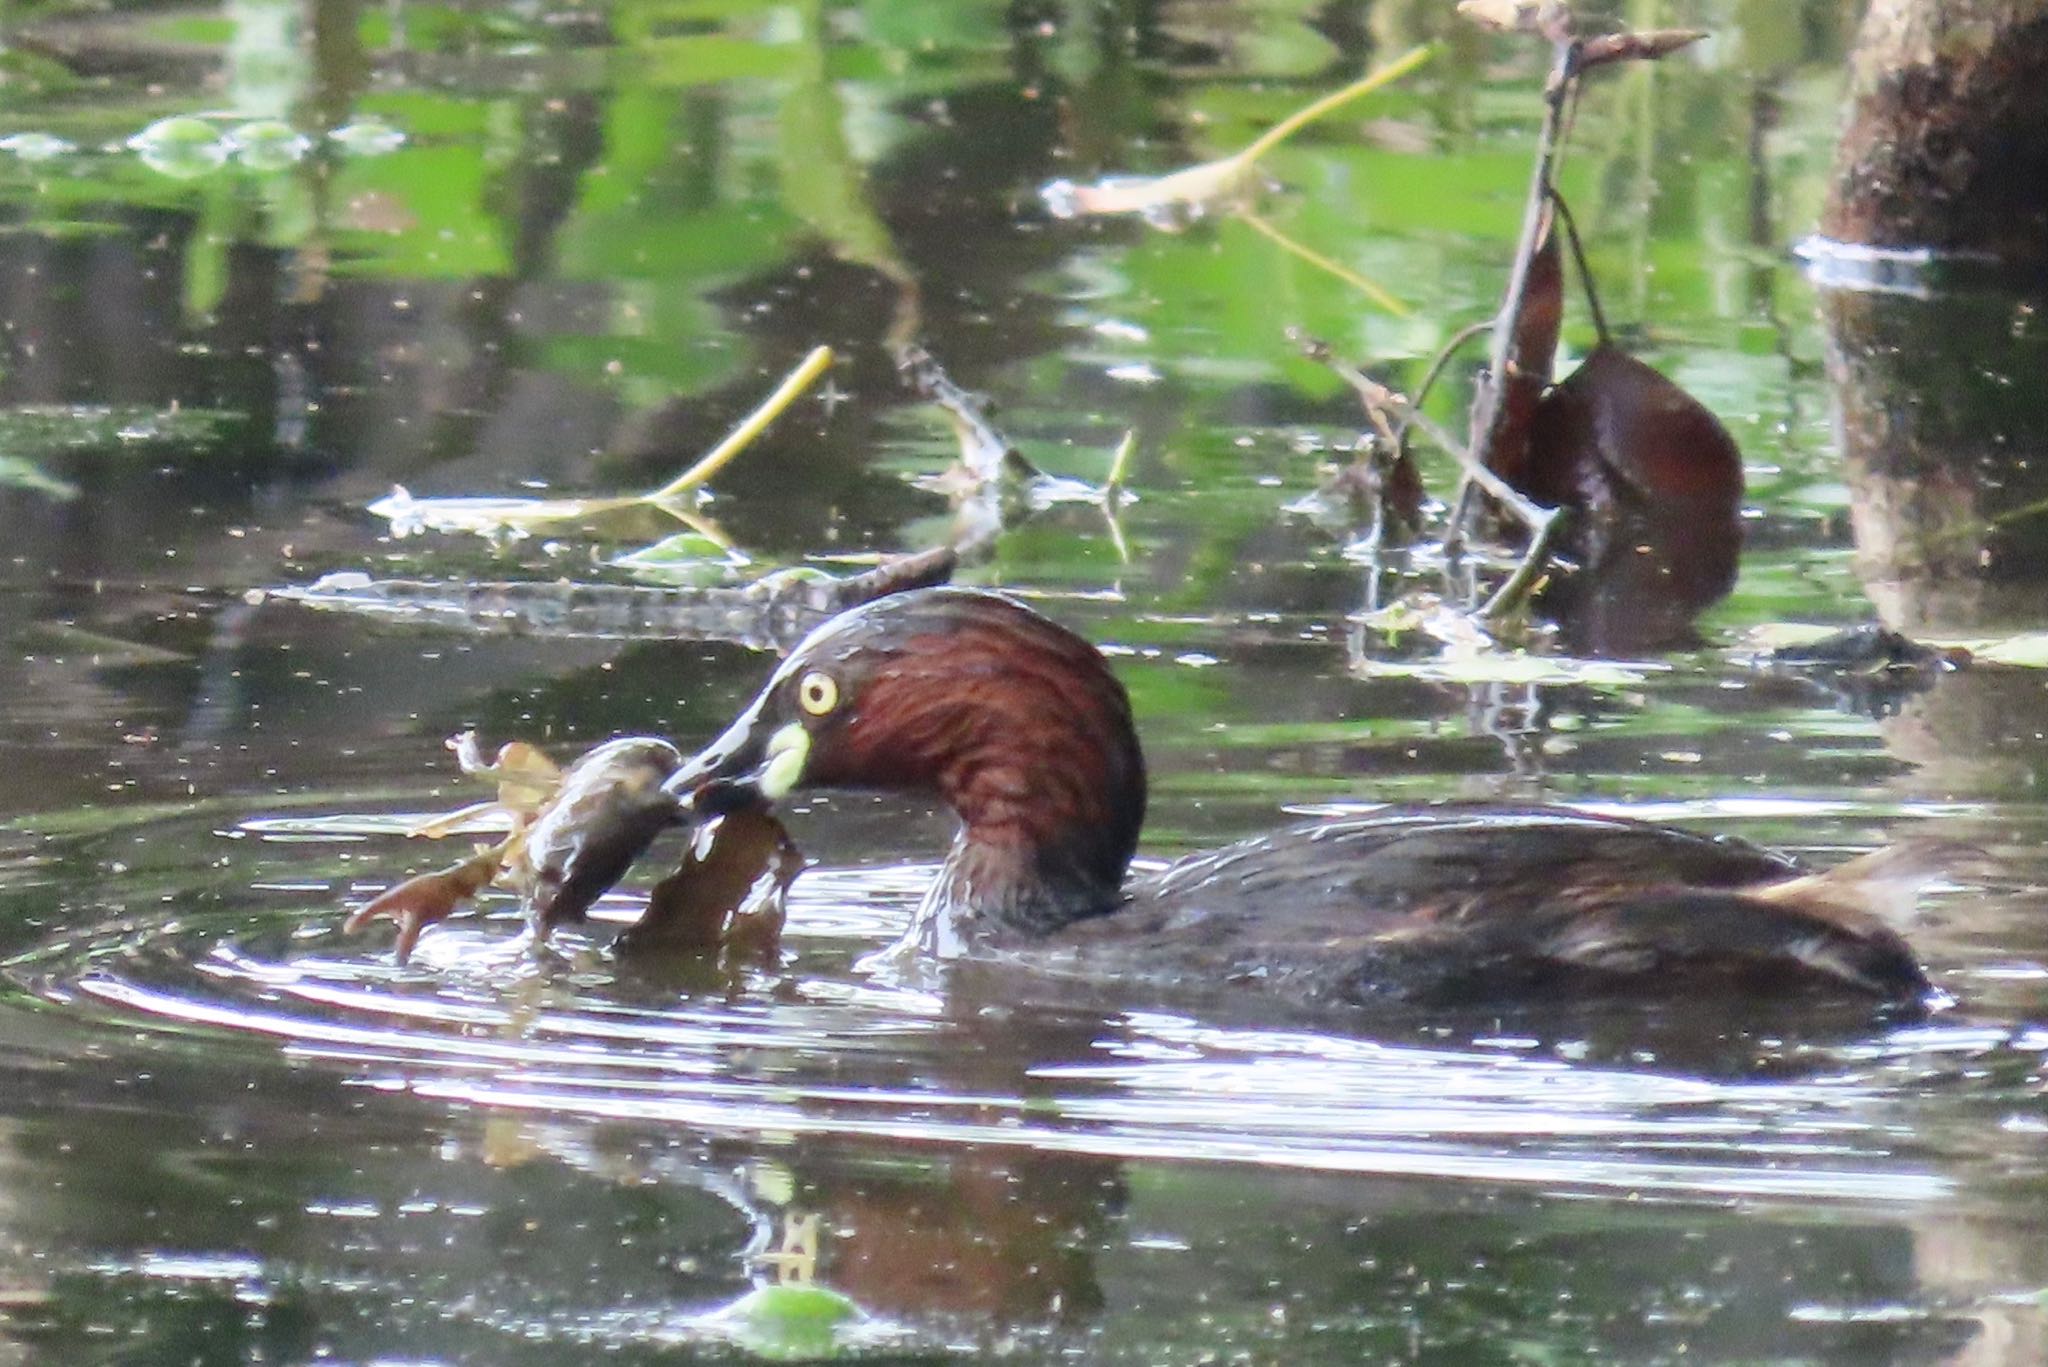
(1947, 142)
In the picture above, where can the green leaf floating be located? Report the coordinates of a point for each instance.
(788, 1323)
(685, 558)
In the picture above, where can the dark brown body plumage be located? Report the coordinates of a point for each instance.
(1460, 904)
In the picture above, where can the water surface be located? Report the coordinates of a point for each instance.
(559, 249)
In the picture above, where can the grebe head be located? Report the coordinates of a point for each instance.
(1013, 720)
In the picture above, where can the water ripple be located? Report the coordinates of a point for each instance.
(478, 1021)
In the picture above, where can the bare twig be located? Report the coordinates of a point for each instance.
(1644, 46)
(1490, 412)
(1541, 521)
(1571, 237)
(756, 422)
(1380, 402)
(1112, 488)
(1515, 590)
(1437, 363)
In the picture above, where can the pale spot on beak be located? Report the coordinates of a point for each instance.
(788, 750)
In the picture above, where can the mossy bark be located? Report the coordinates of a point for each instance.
(1947, 141)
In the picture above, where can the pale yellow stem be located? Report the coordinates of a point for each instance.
(1319, 261)
(1118, 461)
(1309, 113)
(751, 427)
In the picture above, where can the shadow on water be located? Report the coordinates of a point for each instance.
(232, 1134)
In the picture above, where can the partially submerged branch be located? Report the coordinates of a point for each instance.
(1385, 406)
(772, 613)
(1495, 420)
(753, 425)
(1490, 408)
(1175, 199)
(524, 516)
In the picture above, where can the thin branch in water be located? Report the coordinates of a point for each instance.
(523, 516)
(1437, 365)
(1490, 412)
(1382, 401)
(1571, 237)
(1515, 590)
(1315, 258)
(1336, 99)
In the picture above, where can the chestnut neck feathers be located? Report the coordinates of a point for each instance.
(1017, 724)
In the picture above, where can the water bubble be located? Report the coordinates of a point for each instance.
(268, 145)
(35, 146)
(367, 138)
(181, 147)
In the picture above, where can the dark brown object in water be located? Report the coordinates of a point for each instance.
(1653, 485)
(1019, 726)
(609, 808)
(728, 891)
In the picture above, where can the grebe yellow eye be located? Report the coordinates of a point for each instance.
(817, 694)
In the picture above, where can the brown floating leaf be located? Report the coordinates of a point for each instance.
(1617, 429)
(1655, 485)
(1640, 581)
(418, 902)
(1646, 46)
(727, 891)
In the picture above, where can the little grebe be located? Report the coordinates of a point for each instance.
(1020, 727)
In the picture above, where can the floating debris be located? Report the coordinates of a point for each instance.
(795, 1321)
(1175, 200)
(517, 517)
(686, 558)
(773, 613)
(1872, 647)
(33, 429)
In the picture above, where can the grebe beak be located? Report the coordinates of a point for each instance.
(747, 766)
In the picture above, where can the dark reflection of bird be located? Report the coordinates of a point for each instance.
(1020, 727)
